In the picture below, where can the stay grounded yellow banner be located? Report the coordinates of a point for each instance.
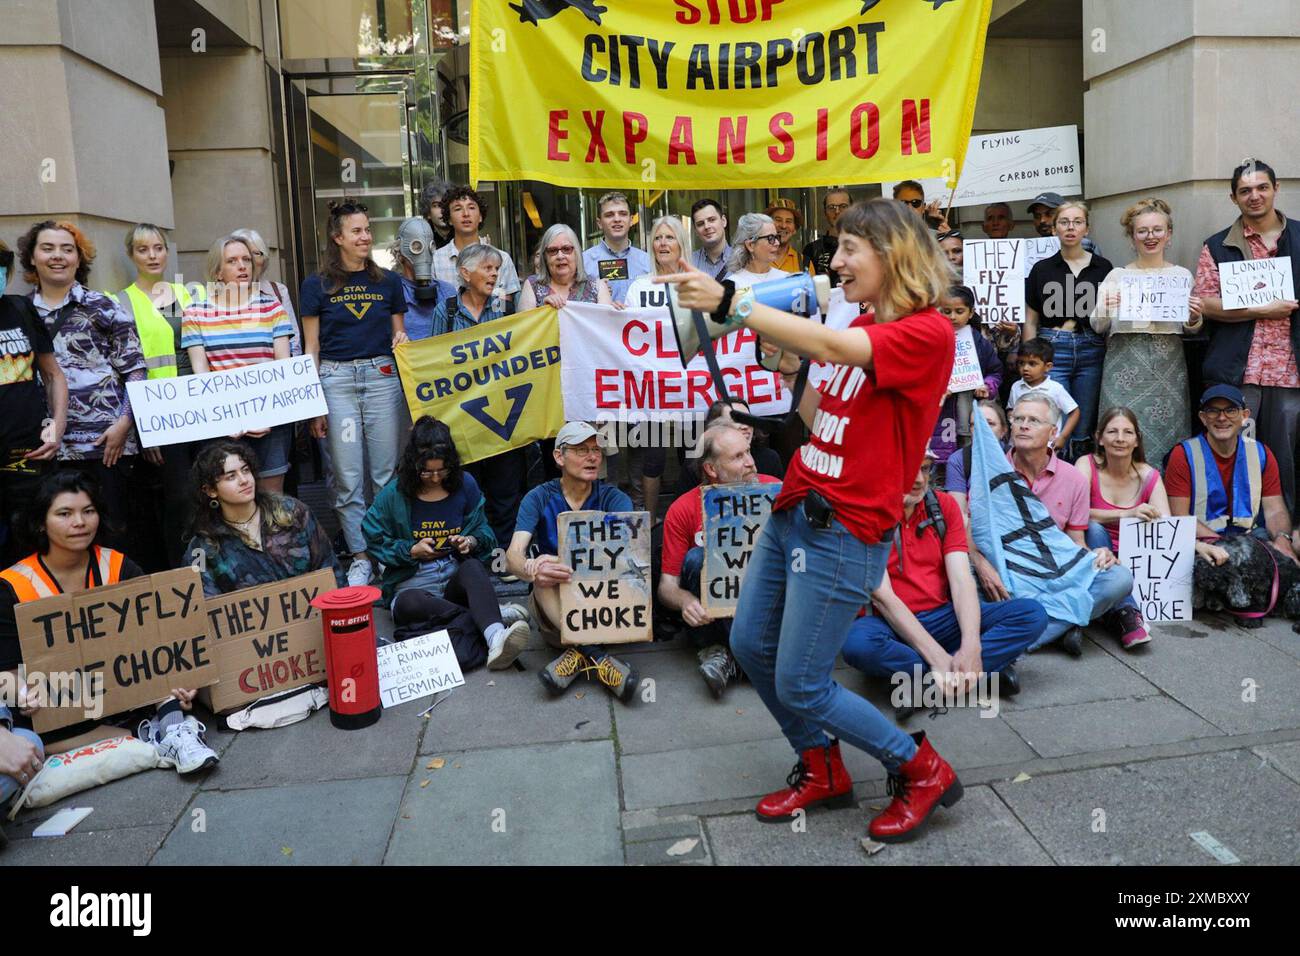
(496, 386)
(722, 94)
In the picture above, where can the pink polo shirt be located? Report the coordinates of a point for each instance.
(1063, 489)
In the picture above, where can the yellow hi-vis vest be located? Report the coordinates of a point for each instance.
(159, 341)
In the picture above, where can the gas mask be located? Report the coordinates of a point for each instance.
(417, 241)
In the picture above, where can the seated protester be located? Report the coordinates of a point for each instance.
(247, 537)
(1117, 472)
(1241, 494)
(1034, 363)
(952, 430)
(1064, 492)
(578, 455)
(724, 459)
(63, 522)
(766, 460)
(928, 612)
(423, 291)
(429, 531)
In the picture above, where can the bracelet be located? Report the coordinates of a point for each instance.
(724, 307)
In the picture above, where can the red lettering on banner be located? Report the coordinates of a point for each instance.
(555, 135)
(596, 144)
(873, 130)
(639, 326)
(639, 398)
(823, 126)
(739, 11)
(915, 128)
(731, 139)
(756, 377)
(698, 388)
(670, 381)
(776, 127)
(633, 137)
(681, 141)
(603, 385)
(664, 347)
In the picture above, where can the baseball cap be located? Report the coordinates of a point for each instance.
(574, 433)
(1229, 392)
(1050, 200)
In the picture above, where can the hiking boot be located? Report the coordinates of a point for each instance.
(181, 746)
(717, 667)
(619, 679)
(561, 672)
(1132, 629)
(513, 641)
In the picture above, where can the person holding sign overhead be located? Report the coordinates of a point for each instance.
(1254, 349)
(578, 455)
(239, 326)
(1138, 309)
(614, 259)
(353, 316)
(1060, 294)
(724, 459)
(429, 530)
(63, 524)
(827, 542)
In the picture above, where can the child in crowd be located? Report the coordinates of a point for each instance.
(1035, 361)
(952, 430)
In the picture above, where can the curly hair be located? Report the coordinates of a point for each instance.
(27, 249)
(430, 439)
(31, 526)
(463, 192)
(207, 470)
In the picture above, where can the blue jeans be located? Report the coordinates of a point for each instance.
(1108, 591)
(1007, 628)
(689, 579)
(1077, 365)
(1097, 537)
(801, 591)
(10, 785)
(365, 422)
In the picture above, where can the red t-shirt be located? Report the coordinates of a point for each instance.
(684, 525)
(920, 580)
(1178, 476)
(872, 425)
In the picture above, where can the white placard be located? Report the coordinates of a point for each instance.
(994, 271)
(1153, 302)
(966, 373)
(1038, 248)
(424, 665)
(1255, 282)
(1160, 554)
(1020, 164)
(216, 404)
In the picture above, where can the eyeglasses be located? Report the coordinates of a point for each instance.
(836, 206)
(561, 251)
(1221, 411)
(914, 203)
(1072, 223)
(586, 451)
(1029, 420)
(1156, 232)
(955, 234)
(773, 239)
(435, 473)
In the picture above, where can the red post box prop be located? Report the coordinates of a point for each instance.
(351, 660)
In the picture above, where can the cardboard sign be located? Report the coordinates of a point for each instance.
(1153, 303)
(217, 404)
(1020, 164)
(734, 516)
(607, 600)
(995, 272)
(419, 667)
(134, 641)
(966, 372)
(1161, 555)
(1038, 248)
(1256, 282)
(265, 640)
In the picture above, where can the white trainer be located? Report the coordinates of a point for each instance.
(511, 613)
(182, 746)
(513, 641)
(359, 572)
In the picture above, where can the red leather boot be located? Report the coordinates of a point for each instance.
(920, 785)
(819, 778)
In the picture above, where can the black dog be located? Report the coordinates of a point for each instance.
(532, 11)
(1245, 581)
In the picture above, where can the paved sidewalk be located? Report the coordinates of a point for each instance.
(1113, 759)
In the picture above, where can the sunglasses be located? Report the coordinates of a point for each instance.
(914, 203)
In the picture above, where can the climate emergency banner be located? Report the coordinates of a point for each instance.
(496, 385)
(133, 642)
(627, 363)
(722, 94)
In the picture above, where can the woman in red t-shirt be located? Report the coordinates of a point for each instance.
(825, 548)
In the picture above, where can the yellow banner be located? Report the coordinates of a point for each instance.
(497, 386)
(723, 94)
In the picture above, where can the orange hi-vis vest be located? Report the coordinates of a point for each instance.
(31, 581)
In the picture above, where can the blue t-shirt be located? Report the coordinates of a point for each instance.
(544, 504)
(356, 322)
(439, 520)
(420, 315)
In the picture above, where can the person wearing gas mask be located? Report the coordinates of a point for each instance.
(413, 253)
(465, 211)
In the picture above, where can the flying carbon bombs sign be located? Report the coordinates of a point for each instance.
(723, 94)
(496, 385)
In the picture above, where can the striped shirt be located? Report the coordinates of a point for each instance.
(233, 338)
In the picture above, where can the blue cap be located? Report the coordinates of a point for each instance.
(1230, 392)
